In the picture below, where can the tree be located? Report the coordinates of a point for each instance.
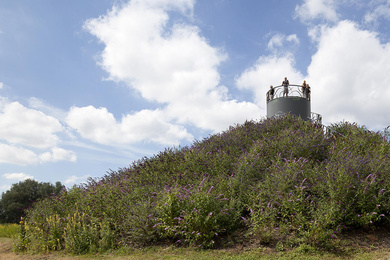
(22, 195)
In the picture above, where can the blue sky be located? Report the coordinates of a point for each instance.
(88, 86)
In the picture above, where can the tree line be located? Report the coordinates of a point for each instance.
(22, 195)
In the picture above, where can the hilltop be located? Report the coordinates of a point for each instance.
(282, 182)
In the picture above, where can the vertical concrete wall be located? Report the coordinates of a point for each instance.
(298, 106)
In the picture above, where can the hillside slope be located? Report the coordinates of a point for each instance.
(282, 180)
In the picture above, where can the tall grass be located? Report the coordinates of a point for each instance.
(278, 180)
(9, 230)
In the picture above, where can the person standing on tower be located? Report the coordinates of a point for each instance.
(285, 84)
(271, 92)
(304, 89)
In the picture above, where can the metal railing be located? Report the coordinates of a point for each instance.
(293, 91)
(315, 117)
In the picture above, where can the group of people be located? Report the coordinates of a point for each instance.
(306, 90)
(285, 84)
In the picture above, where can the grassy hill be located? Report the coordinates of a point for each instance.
(281, 181)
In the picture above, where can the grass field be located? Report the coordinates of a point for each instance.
(9, 230)
(154, 253)
(370, 245)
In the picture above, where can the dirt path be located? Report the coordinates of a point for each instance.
(6, 253)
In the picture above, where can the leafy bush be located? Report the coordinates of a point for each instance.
(194, 216)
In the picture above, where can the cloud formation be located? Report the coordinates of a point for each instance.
(171, 64)
(99, 125)
(17, 176)
(380, 11)
(278, 42)
(317, 9)
(17, 155)
(20, 125)
(73, 179)
(29, 136)
(349, 76)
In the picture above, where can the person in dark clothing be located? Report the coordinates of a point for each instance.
(285, 84)
(271, 92)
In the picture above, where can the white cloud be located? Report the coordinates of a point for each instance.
(317, 9)
(73, 179)
(26, 132)
(17, 155)
(212, 113)
(58, 154)
(17, 176)
(98, 125)
(162, 65)
(381, 10)
(315, 32)
(1, 83)
(174, 66)
(268, 70)
(349, 76)
(29, 127)
(279, 40)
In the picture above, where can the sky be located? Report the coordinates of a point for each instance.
(90, 86)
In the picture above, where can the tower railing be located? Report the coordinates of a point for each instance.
(293, 91)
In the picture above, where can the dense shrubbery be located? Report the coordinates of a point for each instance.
(282, 180)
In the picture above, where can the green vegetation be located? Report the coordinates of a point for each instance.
(283, 182)
(22, 195)
(9, 230)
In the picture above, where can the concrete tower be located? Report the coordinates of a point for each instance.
(293, 99)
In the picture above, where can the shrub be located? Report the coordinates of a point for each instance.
(194, 216)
